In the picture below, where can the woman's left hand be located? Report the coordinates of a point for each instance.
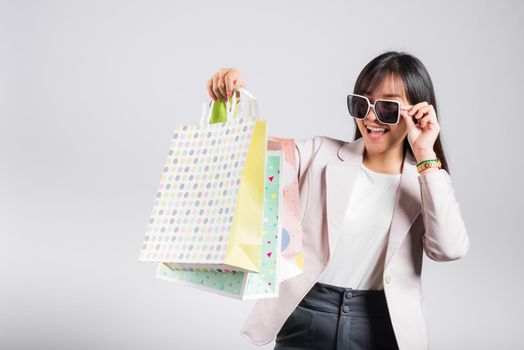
(421, 136)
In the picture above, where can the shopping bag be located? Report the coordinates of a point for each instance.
(291, 258)
(208, 211)
(246, 285)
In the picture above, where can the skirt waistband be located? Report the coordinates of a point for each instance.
(346, 301)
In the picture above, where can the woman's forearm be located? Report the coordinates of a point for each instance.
(445, 236)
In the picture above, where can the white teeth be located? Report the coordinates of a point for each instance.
(376, 129)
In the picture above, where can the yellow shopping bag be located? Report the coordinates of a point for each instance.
(244, 242)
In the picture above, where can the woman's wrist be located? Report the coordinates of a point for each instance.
(425, 155)
(428, 157)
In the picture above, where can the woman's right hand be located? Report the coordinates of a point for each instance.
(221, 84)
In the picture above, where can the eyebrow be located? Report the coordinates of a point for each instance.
(385, 95)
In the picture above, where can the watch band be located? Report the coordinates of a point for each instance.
(429, 163)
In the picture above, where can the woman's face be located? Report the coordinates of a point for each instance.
(395, 134)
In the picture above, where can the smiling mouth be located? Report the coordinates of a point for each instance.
(376, 131)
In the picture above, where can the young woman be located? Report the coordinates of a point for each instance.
(370, 208)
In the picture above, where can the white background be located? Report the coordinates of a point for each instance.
(91, 91)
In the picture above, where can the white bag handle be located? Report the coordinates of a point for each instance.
(251, 101)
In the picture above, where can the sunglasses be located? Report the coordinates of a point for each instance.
(387, 111)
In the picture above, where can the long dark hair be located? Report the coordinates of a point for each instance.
(416, 82)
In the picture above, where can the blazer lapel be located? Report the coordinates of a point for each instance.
(407, 207)
(340, 178)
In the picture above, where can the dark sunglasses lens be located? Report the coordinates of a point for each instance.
(388, 112)
(357, 106)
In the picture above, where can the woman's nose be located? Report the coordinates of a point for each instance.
(371, 115)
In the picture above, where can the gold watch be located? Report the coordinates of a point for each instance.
(431, 163)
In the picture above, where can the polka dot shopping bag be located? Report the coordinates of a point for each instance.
(208, 210)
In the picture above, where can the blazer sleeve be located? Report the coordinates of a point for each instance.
(445, 237)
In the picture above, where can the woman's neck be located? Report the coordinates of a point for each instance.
(388, 162)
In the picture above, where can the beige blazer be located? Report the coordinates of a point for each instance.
(426, 218)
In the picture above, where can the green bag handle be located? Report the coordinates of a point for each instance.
(219, 111)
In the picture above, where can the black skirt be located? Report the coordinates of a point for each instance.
(332, 317)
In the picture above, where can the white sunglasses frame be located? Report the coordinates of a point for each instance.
(373, 106)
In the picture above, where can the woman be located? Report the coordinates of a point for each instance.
(370, 208)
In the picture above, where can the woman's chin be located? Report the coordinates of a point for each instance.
(375, 146)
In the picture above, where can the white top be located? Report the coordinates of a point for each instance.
(358, 258)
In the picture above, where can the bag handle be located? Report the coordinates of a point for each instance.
(232, 105)
(219, 112)
(252, 103)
